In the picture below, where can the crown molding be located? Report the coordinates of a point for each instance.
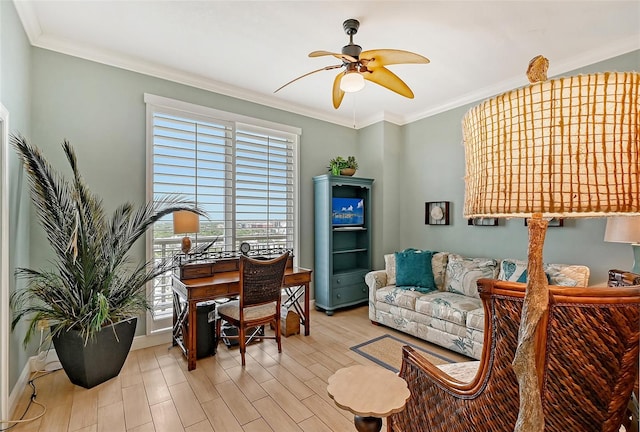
(29, 19)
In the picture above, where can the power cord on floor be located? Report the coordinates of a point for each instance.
(39, 373)
(32, 401)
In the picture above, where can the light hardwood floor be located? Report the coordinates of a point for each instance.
(275, 392)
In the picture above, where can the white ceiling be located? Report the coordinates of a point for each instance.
(247, 49)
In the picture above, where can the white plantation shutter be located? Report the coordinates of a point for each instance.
(242, 174)
(264, 187)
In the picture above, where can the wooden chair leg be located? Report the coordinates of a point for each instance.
(242, 341)
(278, 335)
(218, 331)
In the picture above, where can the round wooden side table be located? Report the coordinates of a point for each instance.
(370, 393)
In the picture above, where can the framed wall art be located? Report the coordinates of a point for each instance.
(483, 221)
(436, 213)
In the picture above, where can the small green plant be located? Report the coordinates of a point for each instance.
(340, 163)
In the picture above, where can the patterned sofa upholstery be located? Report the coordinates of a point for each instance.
(451, 316)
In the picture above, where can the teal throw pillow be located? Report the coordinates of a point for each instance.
(523, 277)
(413, 270)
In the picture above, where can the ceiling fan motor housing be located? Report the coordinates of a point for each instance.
(350, 28)
(352, 50)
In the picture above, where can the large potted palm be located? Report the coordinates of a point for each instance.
(93, 293)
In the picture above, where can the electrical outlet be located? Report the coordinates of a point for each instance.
(43, 324)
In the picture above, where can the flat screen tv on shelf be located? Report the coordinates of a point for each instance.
(347, 212)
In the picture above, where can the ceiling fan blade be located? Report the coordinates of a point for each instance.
(384, 77)
(340, 56)
(376, 58)
(338, 94)
(309, 73)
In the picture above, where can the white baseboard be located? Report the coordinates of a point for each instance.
(154, 339)
(23, 381)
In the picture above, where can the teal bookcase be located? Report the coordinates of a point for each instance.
(342, 242)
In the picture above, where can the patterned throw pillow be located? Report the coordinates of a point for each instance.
(463, 273)
(557, 274)
(390, 268)
(413, 270)
(439, 267)
(513, 270)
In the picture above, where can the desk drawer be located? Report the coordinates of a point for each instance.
(209, 292)
(297, 279)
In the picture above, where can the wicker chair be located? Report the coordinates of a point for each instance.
(589, 362)
(259, 300)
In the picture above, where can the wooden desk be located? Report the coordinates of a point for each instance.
(187, 293)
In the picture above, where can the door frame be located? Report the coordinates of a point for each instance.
(4, 263)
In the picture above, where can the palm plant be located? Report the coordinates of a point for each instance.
(93, 282)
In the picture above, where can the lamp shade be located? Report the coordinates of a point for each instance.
(185, 222)
(567, 147)
(623, 230)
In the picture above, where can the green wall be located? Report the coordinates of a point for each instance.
(100, 110)
(433, 170)
(15, 95)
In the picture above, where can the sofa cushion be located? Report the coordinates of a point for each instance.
(447, 306)
(475, 319)
(413, 270)
(463, 273)
(398, 297)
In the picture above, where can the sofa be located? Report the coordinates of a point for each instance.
(444, 307)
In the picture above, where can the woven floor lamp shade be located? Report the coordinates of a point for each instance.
(567, 147)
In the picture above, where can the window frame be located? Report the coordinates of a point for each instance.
(170, 106)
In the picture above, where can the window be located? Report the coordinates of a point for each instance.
(241, 171)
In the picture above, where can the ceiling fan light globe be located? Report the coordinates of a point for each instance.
(352, 82)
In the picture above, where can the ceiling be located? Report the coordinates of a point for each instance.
(247, 49)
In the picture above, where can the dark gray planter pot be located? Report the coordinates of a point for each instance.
(100, 359)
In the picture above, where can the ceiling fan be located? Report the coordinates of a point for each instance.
(364, 65)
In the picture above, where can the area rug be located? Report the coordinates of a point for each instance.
(386, 350)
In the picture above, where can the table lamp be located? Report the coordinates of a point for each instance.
(625, 230)
(568, 148)
(185, 222)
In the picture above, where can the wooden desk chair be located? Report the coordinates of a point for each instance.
(259, 300)
(588, 358)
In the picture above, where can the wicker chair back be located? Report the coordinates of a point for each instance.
(589, 361)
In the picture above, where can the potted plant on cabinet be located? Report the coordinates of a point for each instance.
(91, 298)
(342, 166)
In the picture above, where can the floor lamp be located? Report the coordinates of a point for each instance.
(568, 148)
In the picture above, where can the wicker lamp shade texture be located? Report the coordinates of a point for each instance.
(567, 147)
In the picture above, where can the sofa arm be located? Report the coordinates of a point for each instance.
(375, 280)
